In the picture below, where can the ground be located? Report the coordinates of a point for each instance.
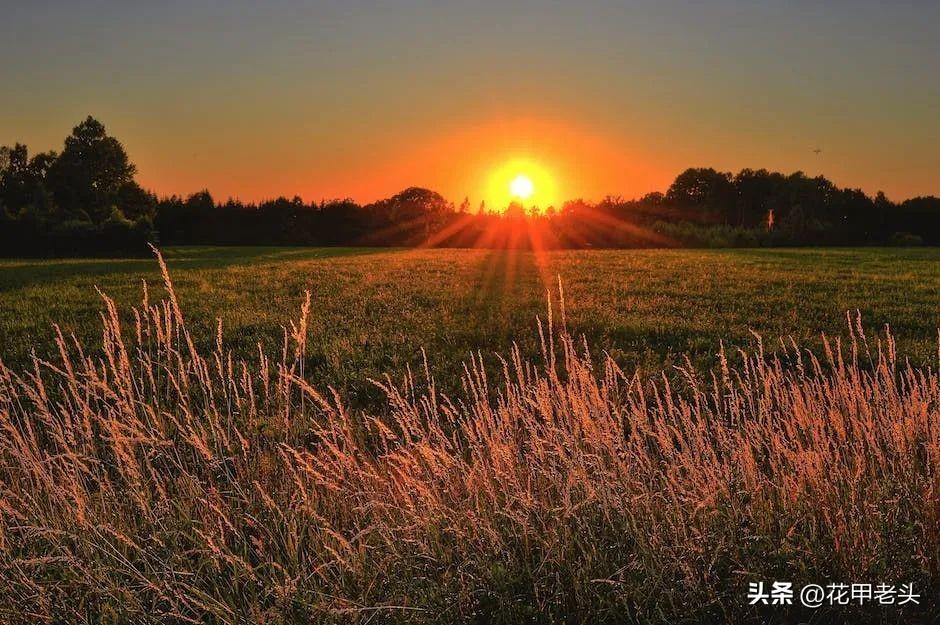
(373, 309)
(165, 485)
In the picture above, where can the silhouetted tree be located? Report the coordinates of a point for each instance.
(22, 180)
(708, 190)
(90, 174)
(85, 201)
(82, 201)
(411, 215)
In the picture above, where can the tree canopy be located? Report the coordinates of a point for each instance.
(85, 200)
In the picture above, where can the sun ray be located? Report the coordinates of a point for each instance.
(377, 236)
(444, 234)
(609, 221)
(538, 234)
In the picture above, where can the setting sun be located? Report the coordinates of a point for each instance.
(521, 187)
(521, 180)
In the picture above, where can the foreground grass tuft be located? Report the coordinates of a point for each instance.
(160, 484)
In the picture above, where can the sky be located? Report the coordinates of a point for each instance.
(363, 99)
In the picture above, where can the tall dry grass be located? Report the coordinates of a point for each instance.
(154, 483)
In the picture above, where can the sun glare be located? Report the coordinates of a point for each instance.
(521, 187)
(521, 181)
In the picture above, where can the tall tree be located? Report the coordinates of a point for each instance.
(22, 180)
(90, 174)
(707, 190)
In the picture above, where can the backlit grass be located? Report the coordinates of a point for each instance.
(164, 482)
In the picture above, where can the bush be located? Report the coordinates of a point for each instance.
(26, 235)
(688, 234)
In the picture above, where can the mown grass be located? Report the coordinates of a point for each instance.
(164, 482)
(373, 310)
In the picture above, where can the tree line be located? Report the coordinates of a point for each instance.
(85, 201)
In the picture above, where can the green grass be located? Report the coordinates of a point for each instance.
(374, 309)
(169, 482)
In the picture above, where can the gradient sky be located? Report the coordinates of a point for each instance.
(361, 99)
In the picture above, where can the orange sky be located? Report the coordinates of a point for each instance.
(353, 99)
(475, 160)
(479, 160)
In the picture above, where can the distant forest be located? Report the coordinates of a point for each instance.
(85, 201)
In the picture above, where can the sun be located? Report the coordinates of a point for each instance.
(521, 180)
(521, 187)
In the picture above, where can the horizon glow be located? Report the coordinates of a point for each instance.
(345, 99)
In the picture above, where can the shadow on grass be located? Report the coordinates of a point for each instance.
(16, 273)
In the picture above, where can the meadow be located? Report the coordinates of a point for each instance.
(374, 310)
(158, 468)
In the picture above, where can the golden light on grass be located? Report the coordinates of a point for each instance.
(198, 486)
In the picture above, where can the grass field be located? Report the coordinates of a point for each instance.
(168, 480)
(373, 310)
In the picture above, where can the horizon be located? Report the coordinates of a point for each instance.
(501, 209)
(501, 183)
(324, 101)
